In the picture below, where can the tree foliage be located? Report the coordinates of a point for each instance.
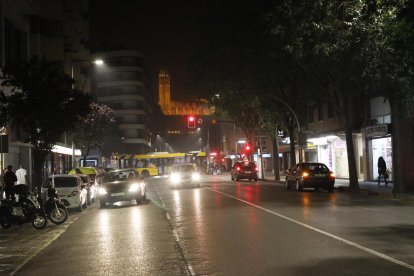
(91, 130)
(40, 101)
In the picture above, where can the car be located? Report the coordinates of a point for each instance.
(122, 185)
(184, 175)
(244, 170)
(70, 189)
(310, 175)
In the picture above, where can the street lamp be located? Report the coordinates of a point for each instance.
(297, 123)
(98, 62)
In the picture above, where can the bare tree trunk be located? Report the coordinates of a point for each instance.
(353, 177)
(396, 112)
(39, 159)
(292, 147)
(276, 168)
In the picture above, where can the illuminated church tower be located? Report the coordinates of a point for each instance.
(164, 88)
(170, 107)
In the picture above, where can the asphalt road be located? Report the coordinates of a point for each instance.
(227, 228)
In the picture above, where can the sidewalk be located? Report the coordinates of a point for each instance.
(366, 188)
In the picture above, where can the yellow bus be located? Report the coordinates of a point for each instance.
(157, 163)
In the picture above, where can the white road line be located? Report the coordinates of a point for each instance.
(168, 216)
(45, 243)
(190, 268)
(363, 248)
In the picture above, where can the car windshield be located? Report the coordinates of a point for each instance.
(316, 167)
(61, 182)
(118, 176)
(183, 169)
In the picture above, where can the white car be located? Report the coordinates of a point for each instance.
(70, 188)
(184, 175)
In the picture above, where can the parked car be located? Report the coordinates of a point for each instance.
(70, 189)
(122, 185)
(184, 175)
(244, 170)
(310, 175)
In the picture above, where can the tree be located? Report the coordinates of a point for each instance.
(391, 71)
(91, 130)
(42, 103)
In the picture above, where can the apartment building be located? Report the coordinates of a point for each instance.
(123, 84)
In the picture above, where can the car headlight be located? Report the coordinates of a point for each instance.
(195, 176)
(133, 188)
(102, 191)
(175, 177)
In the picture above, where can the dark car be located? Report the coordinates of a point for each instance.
(122, 185)
(244, 170)
(310, 175)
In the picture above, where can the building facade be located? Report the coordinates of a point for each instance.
(123, 84)
(58, 31)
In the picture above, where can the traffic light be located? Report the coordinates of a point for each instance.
(191, 121)
(247, 148)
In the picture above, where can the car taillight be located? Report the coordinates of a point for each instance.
(237, 168)
(256, 169)
(332, 175)
(305, 174)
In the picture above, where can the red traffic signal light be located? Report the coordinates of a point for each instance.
(191, 121)
(247, 148)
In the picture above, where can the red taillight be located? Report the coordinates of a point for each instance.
(256, 169)
(332, 175)
(237, 168)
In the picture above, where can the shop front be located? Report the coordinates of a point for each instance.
(379, 143)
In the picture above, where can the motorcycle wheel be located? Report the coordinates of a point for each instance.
(5, 223)
(39, 221)
(58, 215)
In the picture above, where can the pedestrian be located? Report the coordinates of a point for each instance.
(9, 181)
(21, 175)
(382, 170)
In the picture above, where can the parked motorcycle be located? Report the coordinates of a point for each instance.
(55, 210)
(27, 209)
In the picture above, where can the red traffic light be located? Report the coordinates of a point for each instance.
(247, 147)
(191, 121)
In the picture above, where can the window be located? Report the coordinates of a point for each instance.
(330, 110)
(320, 112)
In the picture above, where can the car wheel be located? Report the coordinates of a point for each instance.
(232, 178)
(145, 174)
(287, 186)
(299, 187)
(237, 179)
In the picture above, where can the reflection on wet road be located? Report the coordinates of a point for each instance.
(235, 228)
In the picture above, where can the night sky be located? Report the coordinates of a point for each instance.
(164, 31)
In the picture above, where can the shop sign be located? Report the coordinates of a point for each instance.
(378, 130)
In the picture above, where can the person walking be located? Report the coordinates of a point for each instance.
(9, 181)
(382, 170)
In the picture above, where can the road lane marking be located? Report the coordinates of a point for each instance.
(47, 239)
(168, 216)
(361, 247)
